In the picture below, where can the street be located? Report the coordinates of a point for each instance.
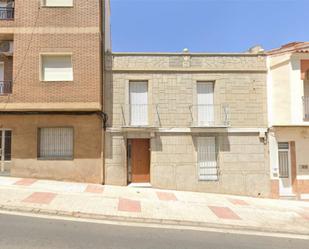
(20, 232)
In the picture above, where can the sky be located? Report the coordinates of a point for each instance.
(207, 25)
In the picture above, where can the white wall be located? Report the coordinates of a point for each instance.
(285, 90)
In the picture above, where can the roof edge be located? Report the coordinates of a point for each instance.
(184, 54)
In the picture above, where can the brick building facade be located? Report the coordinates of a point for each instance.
(51, 92)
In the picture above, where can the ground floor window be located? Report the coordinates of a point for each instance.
(55, 143)
(5, 144)
(207, 158)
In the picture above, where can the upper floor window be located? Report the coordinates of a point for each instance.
(6, 9)
(56, 67)
(57, 3)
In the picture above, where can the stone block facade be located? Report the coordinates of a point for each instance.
(239, 81)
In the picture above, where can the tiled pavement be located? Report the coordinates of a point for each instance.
(153, 205)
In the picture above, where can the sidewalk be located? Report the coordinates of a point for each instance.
(154, 206)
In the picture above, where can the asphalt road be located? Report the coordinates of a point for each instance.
(20, 232)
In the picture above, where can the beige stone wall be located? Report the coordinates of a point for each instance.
(87, 165)
(173, 92)
(194, 61)
(38, 30)
(242, 159)
(239, 81)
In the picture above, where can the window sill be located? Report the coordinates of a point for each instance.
(55, 159)
(66, 7)
(56, 81)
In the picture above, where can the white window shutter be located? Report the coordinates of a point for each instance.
(205, 103)
(59, 3)
(57, 68)
(139, 103)
(207, 158)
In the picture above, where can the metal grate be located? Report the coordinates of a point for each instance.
(207, 159)
(56, 143)
(6, 13)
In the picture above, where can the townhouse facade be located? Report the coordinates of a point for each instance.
(51, 76)
(70, 109)
(188, 121)
(288, 101)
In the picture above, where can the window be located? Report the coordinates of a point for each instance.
(284, 160)
(207, 158)
(57, 67)
(6, 9)
(57, 3)
(139, 102)
(205, 103)
(56, 143)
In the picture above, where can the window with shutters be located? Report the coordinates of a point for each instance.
(138, 103)
(207, 158)
(205, 103)
(57, 3)
(56, 143)
(56, 67)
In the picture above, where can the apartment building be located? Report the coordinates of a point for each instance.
(288, 101)
(51, 88)
(188, 121)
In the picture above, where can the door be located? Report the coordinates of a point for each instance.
(205, 103)
(138, 103)
(5, 150)
(207, 158)
(2, 86)
(139, 160)
(285, 179)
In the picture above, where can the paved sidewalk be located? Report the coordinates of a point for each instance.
(154, 206)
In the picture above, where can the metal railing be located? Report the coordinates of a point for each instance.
(140, 115)
(306, 107)
(210, 115)
(5, 87)
(6, 13)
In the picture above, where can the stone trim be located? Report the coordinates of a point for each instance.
(189, 130)
(184, 54)
(187, 70)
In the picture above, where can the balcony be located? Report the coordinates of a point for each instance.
(6, 13)
(5, 87)
(210, 115)
(139, 115)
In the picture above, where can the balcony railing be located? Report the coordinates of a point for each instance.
(6, 13)
(210, 115)
(139, 115)
(5, 87)
(306, 107)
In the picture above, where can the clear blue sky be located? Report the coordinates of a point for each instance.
(207, 25)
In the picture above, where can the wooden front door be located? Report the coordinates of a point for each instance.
(140, 160)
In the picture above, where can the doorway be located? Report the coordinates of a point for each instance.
(5, 151)
(138, 160)
(285, 178)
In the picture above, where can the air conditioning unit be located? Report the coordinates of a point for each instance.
(6, 47)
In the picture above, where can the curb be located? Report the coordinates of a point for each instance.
(140, 220)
